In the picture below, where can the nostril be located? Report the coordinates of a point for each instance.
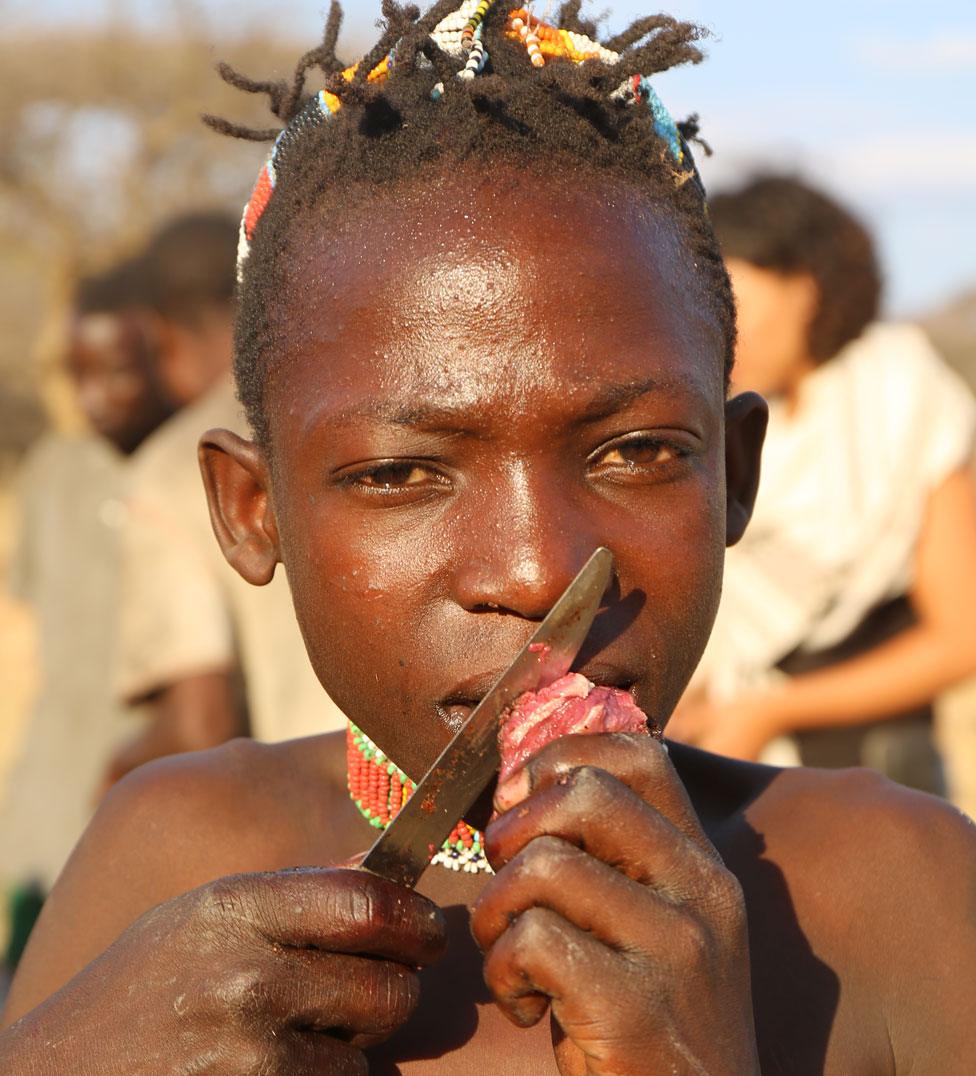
(490, 607)
(503, 610)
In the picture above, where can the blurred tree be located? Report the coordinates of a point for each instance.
(101, 140)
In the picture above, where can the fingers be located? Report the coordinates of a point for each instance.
(596, 898)
(639, 762)
(542, 957)
(596, 812)
(342, 911)
(355, 999)
(309, 1051)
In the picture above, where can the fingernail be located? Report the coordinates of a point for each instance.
(513, 790)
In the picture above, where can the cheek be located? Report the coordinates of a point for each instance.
(363, 584)
(126, 391)
(676, 557)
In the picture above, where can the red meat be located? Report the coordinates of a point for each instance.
(571, 704)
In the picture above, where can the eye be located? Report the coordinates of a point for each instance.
(394, 479)
(394, 476)
(637, 455)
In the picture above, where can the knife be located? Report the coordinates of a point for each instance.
(461, 773)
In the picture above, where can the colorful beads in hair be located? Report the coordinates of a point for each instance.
(459, 36)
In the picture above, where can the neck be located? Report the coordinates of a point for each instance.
(379, 789)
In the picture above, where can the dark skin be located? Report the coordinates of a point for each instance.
(110, 362)
(676, 912)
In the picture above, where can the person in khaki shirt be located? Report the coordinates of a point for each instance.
(65, 567)
(212, 657)
(187, 618)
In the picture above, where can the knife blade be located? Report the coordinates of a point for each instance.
(462, 771)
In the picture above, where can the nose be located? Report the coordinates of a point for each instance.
(522, 544)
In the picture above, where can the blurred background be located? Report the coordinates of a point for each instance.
(101, 143)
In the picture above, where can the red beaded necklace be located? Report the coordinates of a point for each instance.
(379, 788)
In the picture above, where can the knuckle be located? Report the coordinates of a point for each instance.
(241, 990)
(533, 928)
(654, 752)
(227, 899)
(645, 753)
(693, 942)
(255, 1057)
(589, 781)
(543, 854)
(724, 892)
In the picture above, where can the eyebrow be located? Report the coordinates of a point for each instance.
(421, 416)
(609, 400)
(613, 398)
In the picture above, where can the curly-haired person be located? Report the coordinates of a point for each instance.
(485, 328)
(851, 602)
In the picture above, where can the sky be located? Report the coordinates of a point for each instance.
(874, 99)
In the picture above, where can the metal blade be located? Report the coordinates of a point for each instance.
(464, 768)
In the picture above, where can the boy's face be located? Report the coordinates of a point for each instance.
(475, 386)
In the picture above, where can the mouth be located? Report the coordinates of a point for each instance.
(457, 707)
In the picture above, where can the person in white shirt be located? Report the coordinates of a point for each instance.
(851, 601)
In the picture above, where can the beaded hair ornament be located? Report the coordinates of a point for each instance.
(459, 37)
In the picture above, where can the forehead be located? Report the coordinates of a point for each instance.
(105, 335)
(470, 288)
(99, 330)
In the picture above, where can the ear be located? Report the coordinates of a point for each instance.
(745, 429)
(236, 478)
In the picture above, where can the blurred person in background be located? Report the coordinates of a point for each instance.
(65, 567)
(212, 657)
(851, 602)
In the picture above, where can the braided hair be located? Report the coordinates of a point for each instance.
(470, 81)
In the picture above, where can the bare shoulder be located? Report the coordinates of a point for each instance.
(879, 831)
(883, 882)
(172, 826)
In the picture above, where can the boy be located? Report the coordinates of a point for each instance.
(461, 380)
(65, 566)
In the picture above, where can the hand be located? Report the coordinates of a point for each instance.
(285, 973)
(738, 729)
(611, 905)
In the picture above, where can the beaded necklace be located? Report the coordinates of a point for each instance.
(379, 788)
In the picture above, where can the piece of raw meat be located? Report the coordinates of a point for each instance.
(570, 704)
